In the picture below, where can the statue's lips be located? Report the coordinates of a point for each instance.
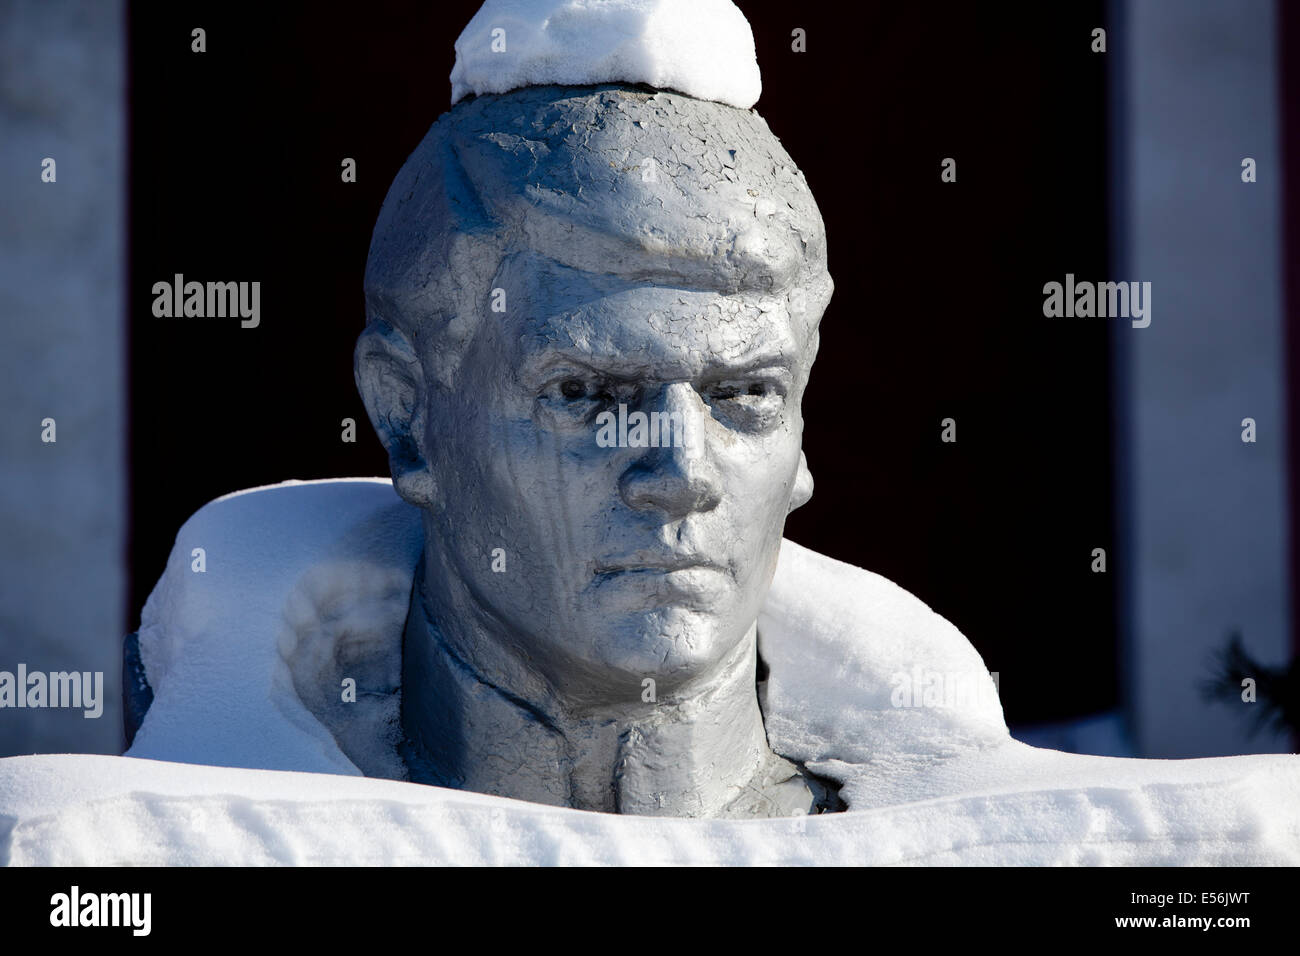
(666, 564)
(688, 577)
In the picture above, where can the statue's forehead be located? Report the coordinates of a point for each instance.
(659, 331)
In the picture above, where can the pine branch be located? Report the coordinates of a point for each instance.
(1277, 689)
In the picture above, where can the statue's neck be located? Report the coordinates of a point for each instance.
(476, 720)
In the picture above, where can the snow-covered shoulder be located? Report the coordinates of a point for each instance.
(861, 668)
(703, 48)
(269, 595)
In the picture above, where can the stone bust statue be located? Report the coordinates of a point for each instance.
(592, 311)
(548, 262)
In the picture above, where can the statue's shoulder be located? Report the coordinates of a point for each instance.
(288, 582)
(256, 548)
(305, 508)
(288, 527)
(838, 604)
(855, 664)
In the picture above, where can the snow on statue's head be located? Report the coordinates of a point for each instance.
(592, 312)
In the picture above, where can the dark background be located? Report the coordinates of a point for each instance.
(235, 163)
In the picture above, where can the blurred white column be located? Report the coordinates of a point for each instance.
(1207, 532)
(62, 262)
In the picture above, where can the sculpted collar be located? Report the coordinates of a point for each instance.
(462, 731)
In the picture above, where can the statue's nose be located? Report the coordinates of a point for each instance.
(678, 477)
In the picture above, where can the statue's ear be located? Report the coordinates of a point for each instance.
(391, 383)
(803, 484)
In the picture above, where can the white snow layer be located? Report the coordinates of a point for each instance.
(703, 48)
(309, 580)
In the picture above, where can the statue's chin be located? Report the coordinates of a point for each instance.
(672, 647)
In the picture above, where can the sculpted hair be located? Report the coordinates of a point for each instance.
(624, 183)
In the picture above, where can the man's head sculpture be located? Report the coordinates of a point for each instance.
(548, 264)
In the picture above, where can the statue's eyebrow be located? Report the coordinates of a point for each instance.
(769, 360)
(627, 366)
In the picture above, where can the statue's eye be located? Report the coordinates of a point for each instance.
(751, 404)
(734, 391)
(580, 391)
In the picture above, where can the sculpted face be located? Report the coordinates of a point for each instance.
(551, 266)
(621, 563)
